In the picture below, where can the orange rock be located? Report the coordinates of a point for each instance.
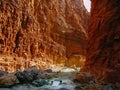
(103, 48)
(29, 28)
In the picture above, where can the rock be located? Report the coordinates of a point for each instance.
(93, 87)
(21, 77)
(28, 75)
(84, 77)
(45, 75)
(78, 87)
(103, 48)
(67, 70)
(63, 89)
(117, 85)
(3, 73)
(48, 70)
(60, 82)
(33, 71)
(108, 87)
(56, 28)
(40, 82)
(8, 80)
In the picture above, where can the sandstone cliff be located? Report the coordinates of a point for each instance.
(43, 28)
(103, 48)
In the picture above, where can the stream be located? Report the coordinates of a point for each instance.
(62, 81)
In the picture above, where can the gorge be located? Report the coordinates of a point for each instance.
(44, 33)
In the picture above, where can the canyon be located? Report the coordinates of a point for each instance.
(33, 32)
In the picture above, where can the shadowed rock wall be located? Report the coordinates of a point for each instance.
(103, 48)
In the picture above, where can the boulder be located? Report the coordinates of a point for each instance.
(108, 87)
(31, 74)
(44, 75)
(3, 73)
(48, 70)
(83, 77)
(117, 85)
(27, 75)
(63, 89)
(40, 82)
(8, 80)
(21, 77)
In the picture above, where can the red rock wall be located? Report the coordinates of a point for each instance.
(54, 27)
(103, 48)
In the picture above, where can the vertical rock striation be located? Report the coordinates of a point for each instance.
(103, 48)
(31, 28)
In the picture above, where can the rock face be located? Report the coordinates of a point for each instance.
(103, 48)
(33, 27)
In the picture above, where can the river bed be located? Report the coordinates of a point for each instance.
(63, 81)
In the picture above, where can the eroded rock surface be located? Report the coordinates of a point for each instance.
(31, 28)
(103, 48)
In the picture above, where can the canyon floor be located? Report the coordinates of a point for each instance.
(57, 78)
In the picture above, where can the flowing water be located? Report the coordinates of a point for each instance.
(63, 81)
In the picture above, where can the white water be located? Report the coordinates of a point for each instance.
(68, 84)
(65, 75)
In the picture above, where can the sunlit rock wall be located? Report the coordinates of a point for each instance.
(31, 28)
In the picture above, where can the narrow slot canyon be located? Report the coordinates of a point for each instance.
(59, 45)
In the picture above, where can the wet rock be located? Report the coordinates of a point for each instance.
(28, 75)
(31, 73)
(20, 76)
(92, 82)
(8, 80)
(108, 87)
(63, 89)
(44, 75)
(60, 82)
(92, 87)
(78, 87)
(32, 70)
(48, 70)
(84, 77)
(40, 82)
(2, 73)
(117, 85)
